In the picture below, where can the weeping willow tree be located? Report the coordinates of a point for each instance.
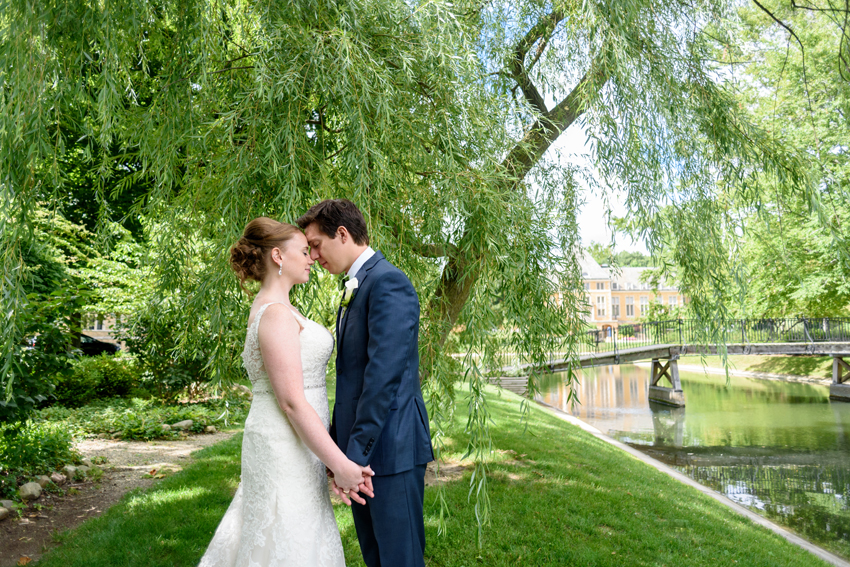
(439, 119)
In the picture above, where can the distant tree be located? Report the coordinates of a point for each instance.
(603, 255)
(793, 65)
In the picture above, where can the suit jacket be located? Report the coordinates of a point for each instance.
(379, 415)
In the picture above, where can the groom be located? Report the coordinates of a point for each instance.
(379, 417)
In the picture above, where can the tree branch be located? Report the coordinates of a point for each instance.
(540, 31)
(548, 127)
(425, 250)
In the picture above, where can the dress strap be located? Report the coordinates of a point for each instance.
(262, 310)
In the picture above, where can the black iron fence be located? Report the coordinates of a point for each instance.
(737, 331)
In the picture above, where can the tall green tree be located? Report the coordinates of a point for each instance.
(789, 61)
(437, 118)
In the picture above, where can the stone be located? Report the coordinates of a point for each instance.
(4, 513)
(69, 471)
(6, 504)
(86, 461)
(667, 396)
(210, 429)
(839, 392)
(58, 479)
(43, 480)
(30, 491)
(166, 427)
(243, 391)
(183, 425)
(83, 470)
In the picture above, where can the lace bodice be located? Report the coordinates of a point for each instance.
(316, 347)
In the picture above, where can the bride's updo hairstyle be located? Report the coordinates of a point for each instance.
(248, 255)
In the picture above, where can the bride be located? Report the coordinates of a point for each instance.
(281, 514)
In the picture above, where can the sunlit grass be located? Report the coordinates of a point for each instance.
(559, 497)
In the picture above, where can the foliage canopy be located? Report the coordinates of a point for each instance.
(437, 118)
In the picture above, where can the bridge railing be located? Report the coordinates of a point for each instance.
(738, 331)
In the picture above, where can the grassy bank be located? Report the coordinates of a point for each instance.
(815, 366)
(560, 497)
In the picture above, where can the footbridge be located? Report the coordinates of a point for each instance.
(663, 342)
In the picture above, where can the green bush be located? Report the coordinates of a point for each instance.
(96, 377)
(30, 449)
(142, 419)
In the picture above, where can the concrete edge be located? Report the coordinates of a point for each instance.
(658, 465)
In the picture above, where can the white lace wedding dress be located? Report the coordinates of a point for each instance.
(281, 514)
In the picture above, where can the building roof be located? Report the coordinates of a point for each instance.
(591, 270)
(629, 278)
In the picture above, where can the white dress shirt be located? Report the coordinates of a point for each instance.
(358, 263)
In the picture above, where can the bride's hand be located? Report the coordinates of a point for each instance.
(349, 476)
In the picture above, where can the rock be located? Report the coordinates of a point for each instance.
(166, 427)
(4, 513)
(6, 504)
(83, 470)
(183, 425)
(30, 491)
(43, 480)
(58, 479)
(210, 429)
(116, 435)
(69, 471)
(86, 461)
(243, 391)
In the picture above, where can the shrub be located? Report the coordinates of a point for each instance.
(30, 449)
(96, 377)
(142, 419)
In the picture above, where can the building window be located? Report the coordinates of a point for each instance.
(673, 300)
(644, 304)
(630, 307)
(600, 285)
(600, 306)
(614, 285)
(95, 323)
(587, 286)
(615, 307)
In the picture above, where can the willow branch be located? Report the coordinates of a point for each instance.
(552, 124)
(539, 32)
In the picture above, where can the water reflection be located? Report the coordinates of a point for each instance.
(780, 448)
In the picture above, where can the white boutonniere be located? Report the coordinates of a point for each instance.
(350, 286)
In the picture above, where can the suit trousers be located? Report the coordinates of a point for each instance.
(390, 526)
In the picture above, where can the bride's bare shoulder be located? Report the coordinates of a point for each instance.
(278, 317)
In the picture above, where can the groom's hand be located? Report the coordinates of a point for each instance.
(348, 496)
(366, 486)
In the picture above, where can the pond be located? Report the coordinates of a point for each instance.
(780, 448)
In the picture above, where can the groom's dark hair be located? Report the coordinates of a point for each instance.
(331, 214)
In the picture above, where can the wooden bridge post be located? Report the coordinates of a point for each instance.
(839, 390)
(673, 396)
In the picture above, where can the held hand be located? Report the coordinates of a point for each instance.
(366, 484)
(349, 476)
(348, 497)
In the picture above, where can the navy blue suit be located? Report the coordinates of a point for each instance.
(379, 416)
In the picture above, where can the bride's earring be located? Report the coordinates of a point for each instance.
(280, 269)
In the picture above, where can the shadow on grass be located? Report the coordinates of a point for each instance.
(559, 497)
(170, 524)
(819, 366)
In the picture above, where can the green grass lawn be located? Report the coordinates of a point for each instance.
(816, 366)
(559, 497)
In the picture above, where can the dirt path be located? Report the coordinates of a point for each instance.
(126, 468)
